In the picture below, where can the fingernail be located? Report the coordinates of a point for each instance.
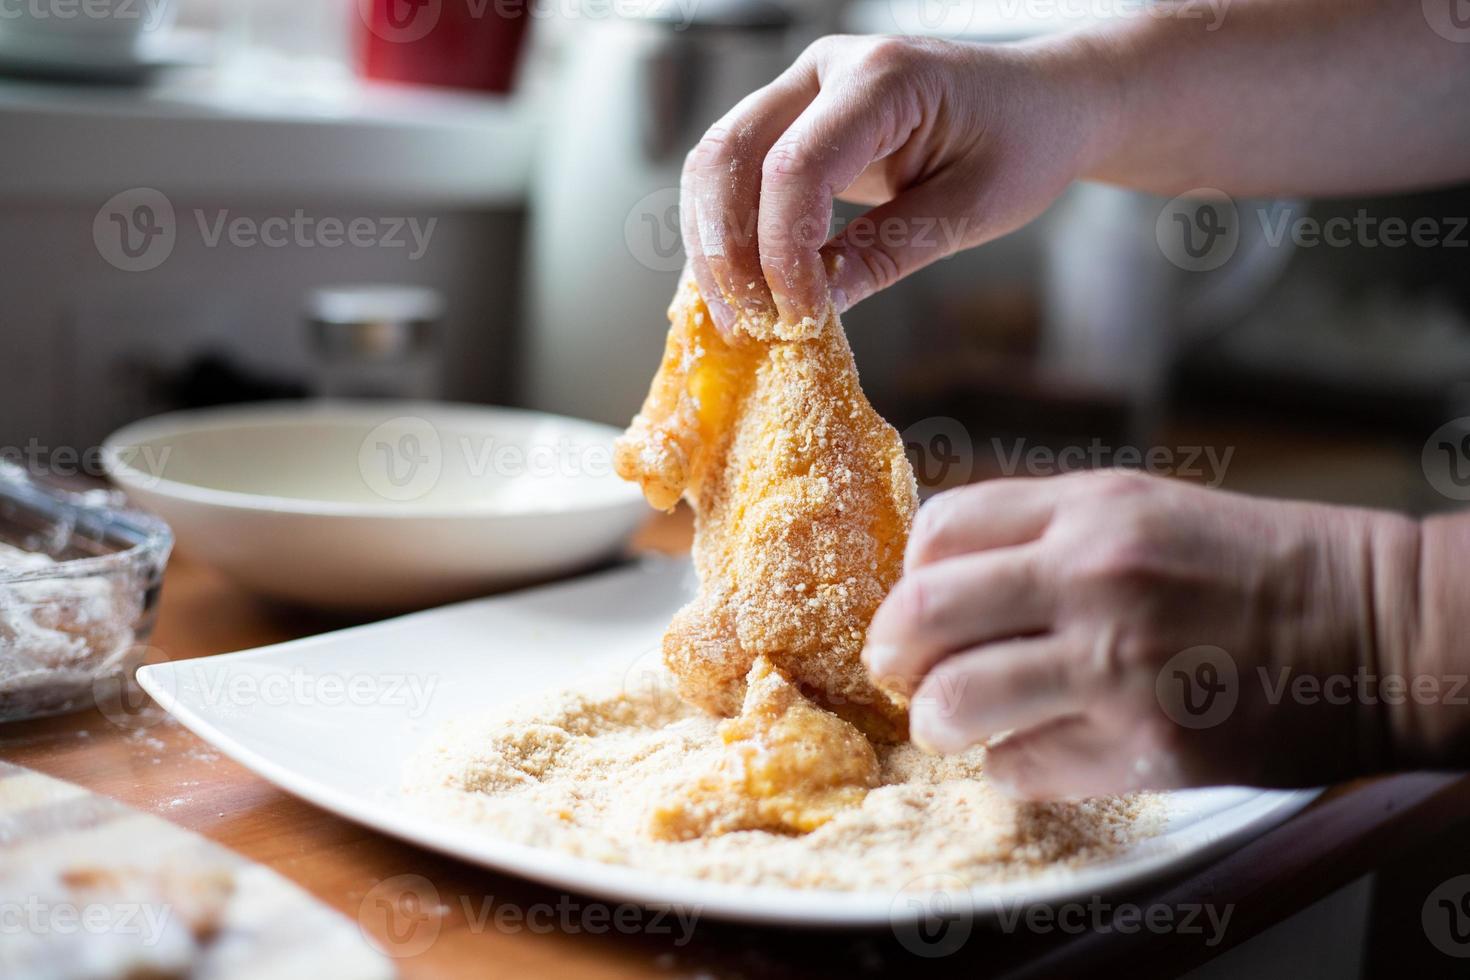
(839, 300)
(930, 733)
(878, 657)
(711, 231)
(720, 312)
(894, 684)
(921, 742)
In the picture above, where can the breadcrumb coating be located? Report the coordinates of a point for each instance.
(803, 499)
(788, 767)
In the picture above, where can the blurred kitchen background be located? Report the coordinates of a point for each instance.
(190, 211)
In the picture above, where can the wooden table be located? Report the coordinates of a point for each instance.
(155, 765)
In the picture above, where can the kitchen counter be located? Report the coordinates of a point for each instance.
(202, 134)
(152, 763)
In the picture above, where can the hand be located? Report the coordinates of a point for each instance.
(1079, 612)
(955, 144)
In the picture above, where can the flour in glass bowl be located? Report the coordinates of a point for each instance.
(578, 772)
(56, 633)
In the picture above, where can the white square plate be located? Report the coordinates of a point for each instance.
(334, 718)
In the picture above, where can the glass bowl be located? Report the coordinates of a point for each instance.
(80, 578)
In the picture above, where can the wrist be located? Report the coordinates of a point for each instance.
(1393, 641)
(1432, 730)
(1086, 72)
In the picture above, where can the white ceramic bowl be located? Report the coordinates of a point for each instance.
(379, 505)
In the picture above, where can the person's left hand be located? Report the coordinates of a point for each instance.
(1134, 632)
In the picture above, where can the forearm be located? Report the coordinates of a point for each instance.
(1313, 97)
(1431, 728)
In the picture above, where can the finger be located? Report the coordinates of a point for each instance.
(993, 514)
(972, 696)
(1084, 756)
(828, 147)
(720, 193)
(696, 265)
(952, 605)
(1064, 759)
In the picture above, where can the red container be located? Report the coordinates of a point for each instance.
(469, 44)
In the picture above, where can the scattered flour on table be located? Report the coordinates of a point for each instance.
(580, 771)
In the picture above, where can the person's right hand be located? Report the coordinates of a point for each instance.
(953, 145)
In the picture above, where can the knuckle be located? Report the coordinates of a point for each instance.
(981, 497)
(1127, 555)
(1120, 573)
(945, 688)
(824, 48)
(1111, 484)
(886, 56)
(786, 162)
(933, 528)
(1111, 658)
(910, 601)
(692, 159)
(880, 266)
(712, 152)
(1044, 678)
(1124, 558)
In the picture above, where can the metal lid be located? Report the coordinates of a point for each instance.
(374, 303)
(705, 14)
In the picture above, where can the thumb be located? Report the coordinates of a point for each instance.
(923, 224)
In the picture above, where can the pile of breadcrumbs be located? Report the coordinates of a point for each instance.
(580, 772)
